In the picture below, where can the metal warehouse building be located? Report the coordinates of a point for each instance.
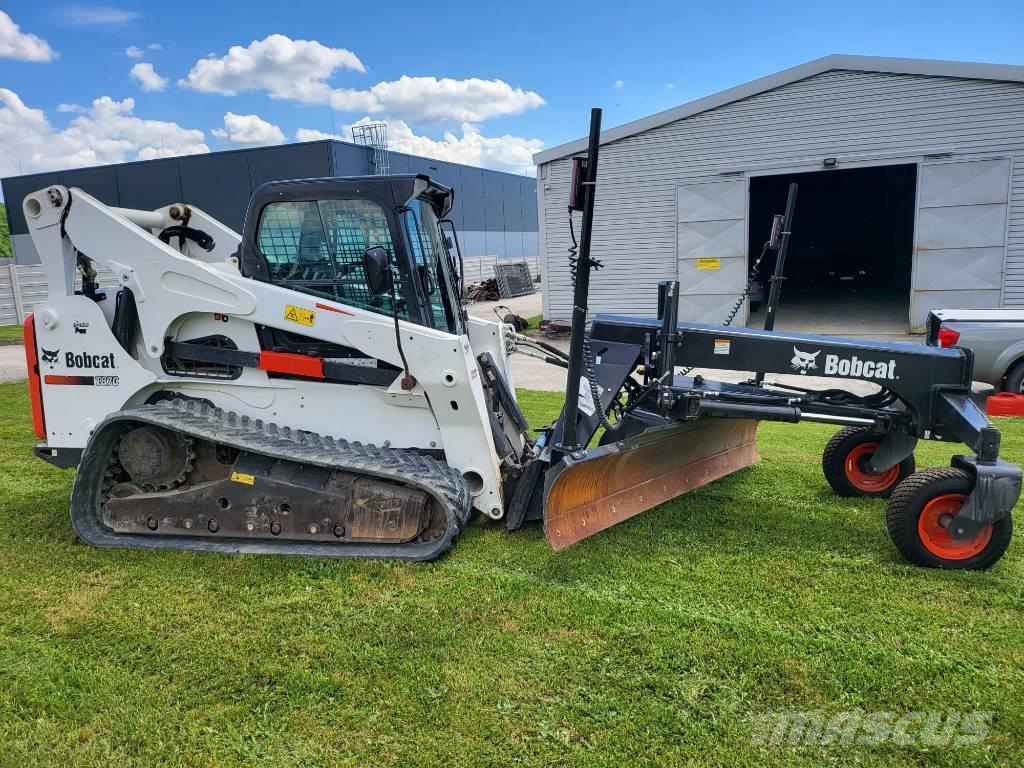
(911, 196)
(495, 213)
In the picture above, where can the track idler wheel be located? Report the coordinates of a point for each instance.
(845, 464)
(922, 520)
(155, 459)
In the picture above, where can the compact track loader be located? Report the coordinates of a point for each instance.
(313, 386)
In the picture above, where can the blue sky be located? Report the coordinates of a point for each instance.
(485, 83)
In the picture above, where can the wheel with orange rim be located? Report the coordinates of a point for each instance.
(845, 462)
(922, 518)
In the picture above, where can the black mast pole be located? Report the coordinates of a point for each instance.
(780, 265)
(570, 411)
(780, 261)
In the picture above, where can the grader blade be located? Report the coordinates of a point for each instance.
(617, 481)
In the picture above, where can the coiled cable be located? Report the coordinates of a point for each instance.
(589, 365)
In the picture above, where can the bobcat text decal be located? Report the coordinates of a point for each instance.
(851, 366)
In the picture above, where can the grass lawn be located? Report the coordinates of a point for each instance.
(664, 641)
(10, 333)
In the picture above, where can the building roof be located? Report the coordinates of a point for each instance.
(247, 150)
(881, 64)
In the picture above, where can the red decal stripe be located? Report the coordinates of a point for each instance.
(35, 388)
(335, 309)
(72, 380)
(297, 365)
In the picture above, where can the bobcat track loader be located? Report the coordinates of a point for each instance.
(313, 386)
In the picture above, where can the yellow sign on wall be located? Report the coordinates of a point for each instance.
(709, 263)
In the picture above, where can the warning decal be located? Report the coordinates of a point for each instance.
(299, 315)
(586, 401)
(722, 346)
(242, 477)
(709, 263)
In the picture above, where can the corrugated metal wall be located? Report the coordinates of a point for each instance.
(835, 114)
(495, 213)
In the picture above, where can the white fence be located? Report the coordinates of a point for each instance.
(479, 268)
(22, 287)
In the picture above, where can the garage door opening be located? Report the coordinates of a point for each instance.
(848, 268)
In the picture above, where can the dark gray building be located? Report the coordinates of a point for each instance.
(495, 213)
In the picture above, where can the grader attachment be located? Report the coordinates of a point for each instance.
(596, 489)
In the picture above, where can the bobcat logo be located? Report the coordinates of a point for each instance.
(804, 361)
(50, 358)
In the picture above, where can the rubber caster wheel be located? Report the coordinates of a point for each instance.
(845, 463)
(923, 510)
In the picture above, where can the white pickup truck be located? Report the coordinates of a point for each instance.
(996, 336)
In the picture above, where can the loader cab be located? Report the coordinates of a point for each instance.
(311, 235)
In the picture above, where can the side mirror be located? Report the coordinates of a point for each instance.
(377, 265)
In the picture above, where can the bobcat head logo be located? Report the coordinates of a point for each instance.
(804, 361)
(50, 358)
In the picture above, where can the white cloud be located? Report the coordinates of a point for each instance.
(312, 134)
(99, 15)
(431, 99)
(284, 68)
(76, 108)
(503, 153)
(107, 133)
(155, 47)
(248, 131)
(618, 85)
(15, 44)
(300, 70)
(134, 52)
(670, 85)
(147, 77)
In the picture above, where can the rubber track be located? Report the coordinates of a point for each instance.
(256, 436)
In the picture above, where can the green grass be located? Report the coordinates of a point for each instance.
(534, 322)
(5, 234)
(662, 641)
(10, 333)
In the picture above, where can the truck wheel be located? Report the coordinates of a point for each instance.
(920, 513)
(845, 460)
(1014, 381)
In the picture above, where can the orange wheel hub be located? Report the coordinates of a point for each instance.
(933, 528)
(858, 475)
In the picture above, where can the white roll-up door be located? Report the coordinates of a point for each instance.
(961, 236)
(711, 246)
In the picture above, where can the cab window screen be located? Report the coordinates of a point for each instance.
(317, 247)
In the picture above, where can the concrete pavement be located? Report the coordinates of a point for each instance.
(12, 362)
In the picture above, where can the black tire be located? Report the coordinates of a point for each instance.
(1014, 380)
(908, 503)
(853, 479)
